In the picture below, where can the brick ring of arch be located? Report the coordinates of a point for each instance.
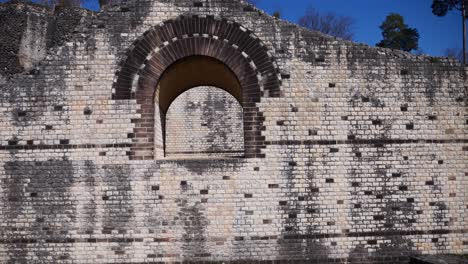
(192, 51)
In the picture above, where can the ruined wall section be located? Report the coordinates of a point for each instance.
(51, 110)
(84, 69)
(381, 124)
(365, 154)
(21, 24)
(30, 30)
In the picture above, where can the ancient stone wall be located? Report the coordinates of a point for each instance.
(29, 30)
(352, 153)
(204, 121)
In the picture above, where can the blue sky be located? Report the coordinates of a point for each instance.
(436, 33)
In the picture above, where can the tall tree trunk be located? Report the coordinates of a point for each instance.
(464, 30)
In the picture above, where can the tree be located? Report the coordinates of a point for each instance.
(328, 23)
(454, 53)
(442, 7)
(397, 35)
(277, 14)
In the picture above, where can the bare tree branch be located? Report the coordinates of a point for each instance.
(454, 53)
(328, 23)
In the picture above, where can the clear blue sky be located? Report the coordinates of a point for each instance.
(436, 34)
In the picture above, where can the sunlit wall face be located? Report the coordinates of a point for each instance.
(203, 122)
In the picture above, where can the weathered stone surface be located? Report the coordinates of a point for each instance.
(352, 154)
(30, 30)
(204, 121)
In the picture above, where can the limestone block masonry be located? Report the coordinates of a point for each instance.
(204, 121)
(349, 153)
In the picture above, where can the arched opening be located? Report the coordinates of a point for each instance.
(205, 121)
(232, 45)
(195, 71)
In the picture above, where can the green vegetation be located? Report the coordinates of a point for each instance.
(397, 35)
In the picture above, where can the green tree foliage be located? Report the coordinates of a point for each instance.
(397, 35)
(277, 14)
(442, 7)
(328, 23)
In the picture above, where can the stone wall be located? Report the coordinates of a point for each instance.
(353, 154)
(29, 30)
(204, 121)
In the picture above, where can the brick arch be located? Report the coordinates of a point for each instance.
(196, 71)
(186, 36)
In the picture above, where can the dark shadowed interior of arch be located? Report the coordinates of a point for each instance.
(211, 107)
(195, 71)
